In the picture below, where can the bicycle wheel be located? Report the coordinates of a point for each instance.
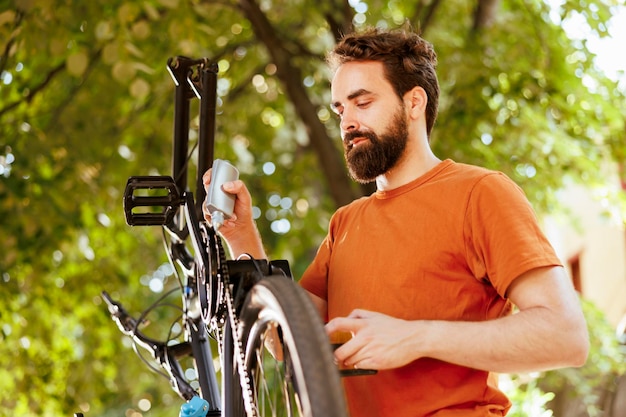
(287, 353)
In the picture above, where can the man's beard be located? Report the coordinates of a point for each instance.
(367, 161)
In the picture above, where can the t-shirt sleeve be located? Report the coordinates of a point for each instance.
(315, 277)
(502, 233)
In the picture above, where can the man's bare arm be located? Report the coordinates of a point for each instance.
(549, 331)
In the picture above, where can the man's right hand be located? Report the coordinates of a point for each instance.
(239, 230)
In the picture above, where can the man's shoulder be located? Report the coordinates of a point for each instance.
(468, 170)
(355, 204)
(456, 176)
(473, 174)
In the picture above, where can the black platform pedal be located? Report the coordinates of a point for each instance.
(151, 200)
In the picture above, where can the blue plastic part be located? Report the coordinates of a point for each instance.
(196, 407)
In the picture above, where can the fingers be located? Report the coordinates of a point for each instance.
(364, 330)
(352, 354)
(353, 323)
(342, 324)
(343, 331)
(206, 177)
(243, 202)
(236, 187)
(239, 230)
(362, 314)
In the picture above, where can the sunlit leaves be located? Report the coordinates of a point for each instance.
(76, 63)
(85, 102)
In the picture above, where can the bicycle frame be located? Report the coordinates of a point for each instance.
(181, 217)
(247, 304)
(179, 68)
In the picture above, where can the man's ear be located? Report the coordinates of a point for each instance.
(416, 100)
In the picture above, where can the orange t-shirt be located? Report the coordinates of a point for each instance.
(445, 246)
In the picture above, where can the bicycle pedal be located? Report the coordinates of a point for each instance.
(147, 193)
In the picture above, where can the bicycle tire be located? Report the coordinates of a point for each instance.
(277, 309)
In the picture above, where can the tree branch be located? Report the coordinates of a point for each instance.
(484, 14)
(93, 59)
(35, 90)
(424, 14)
(19, 15)
(340, 22)
(290, 76)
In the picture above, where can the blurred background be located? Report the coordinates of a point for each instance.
(535, 89)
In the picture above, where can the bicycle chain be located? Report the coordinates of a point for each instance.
(246, 387)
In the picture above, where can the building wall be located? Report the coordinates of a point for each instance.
(592, 243)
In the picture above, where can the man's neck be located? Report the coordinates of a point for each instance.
(409, 168)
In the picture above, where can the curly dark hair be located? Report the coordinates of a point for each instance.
(408, 61)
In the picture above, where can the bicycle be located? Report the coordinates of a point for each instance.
(275, 356)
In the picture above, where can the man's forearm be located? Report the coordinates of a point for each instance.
(548, 332)
(245, 240)
(524, 342)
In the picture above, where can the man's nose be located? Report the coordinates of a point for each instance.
(348, 121)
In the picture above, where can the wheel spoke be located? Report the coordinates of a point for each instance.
(287, 353)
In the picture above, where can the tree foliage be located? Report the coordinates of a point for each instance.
(85, 102)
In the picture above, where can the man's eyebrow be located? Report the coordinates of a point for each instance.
(352, 96)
